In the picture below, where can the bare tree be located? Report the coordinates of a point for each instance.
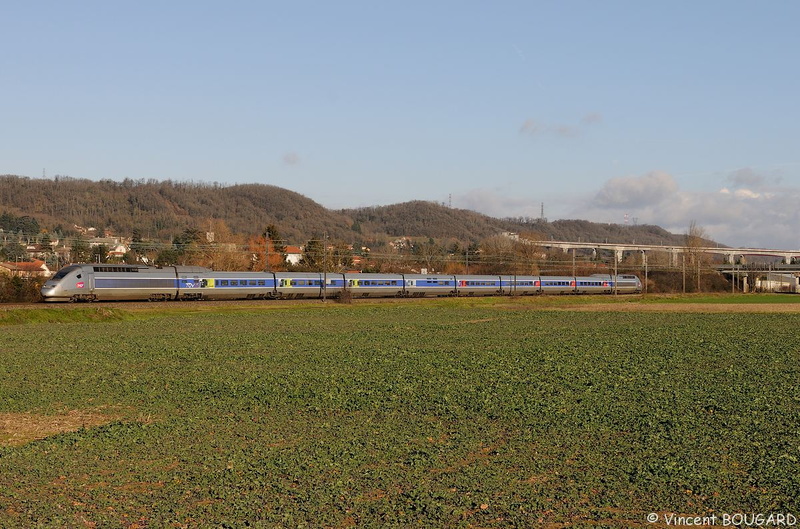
(695, 241)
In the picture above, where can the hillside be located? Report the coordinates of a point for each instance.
(428, 219)
(162, 209)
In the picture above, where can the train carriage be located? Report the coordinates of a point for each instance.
(419, 285)
(114, 282)
(628, 284)
(205, 284)
(479, 285)
(298, 285)
(521, 285)
(596, 284)
(557, 284)
(374, 285)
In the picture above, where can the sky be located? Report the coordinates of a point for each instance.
(661, 113)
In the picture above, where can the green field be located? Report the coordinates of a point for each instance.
(453, 413)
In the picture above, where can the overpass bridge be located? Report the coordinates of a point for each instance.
(731, 255)
(768, 276)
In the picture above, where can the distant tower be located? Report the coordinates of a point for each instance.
(450, 200)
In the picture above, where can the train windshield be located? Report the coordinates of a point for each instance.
(64, 271)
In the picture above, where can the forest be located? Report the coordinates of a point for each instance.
(160, 210)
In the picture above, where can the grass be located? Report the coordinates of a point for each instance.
(53, 314)
(725, 298)
(456, 413)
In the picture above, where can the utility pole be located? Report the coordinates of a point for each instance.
(574, 274)
(324, 266)
(684, 272)
(644, 258)
(266, 250)
(698, 273)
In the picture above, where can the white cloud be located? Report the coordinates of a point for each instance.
(766, 217)
(746, 193)
(497, 203)
(649, 189)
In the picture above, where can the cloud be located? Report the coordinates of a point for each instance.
(646, 190)
(497, 203)
(592, 118)
(565, 131)
(532, 127)
(746, 177)
(750, 179)
(291, 158)
(763, 217)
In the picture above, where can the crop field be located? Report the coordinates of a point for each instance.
(433, 413)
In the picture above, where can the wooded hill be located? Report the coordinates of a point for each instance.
(162, 209)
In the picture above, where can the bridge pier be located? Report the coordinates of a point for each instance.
(673, 257)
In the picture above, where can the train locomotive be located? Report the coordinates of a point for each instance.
(102, 282)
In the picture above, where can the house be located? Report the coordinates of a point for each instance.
(35, 268)
(117, 251)
(294, 254)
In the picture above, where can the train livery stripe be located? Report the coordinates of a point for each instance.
(144, 282)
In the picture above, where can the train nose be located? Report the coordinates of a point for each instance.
(49, 291)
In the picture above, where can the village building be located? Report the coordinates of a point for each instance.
(26, 269)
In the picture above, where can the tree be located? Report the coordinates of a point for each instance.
(497, 254)
(13, 251)
(185, 247)
(80, 251)
(225, 252)
(428, 252)
(186, 240)
(137, 247)
(274, 248)
(313, 255)
(695, 240)
(168, 257)
(340, 257)
(100, 253)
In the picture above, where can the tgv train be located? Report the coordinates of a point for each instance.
(99, 282)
